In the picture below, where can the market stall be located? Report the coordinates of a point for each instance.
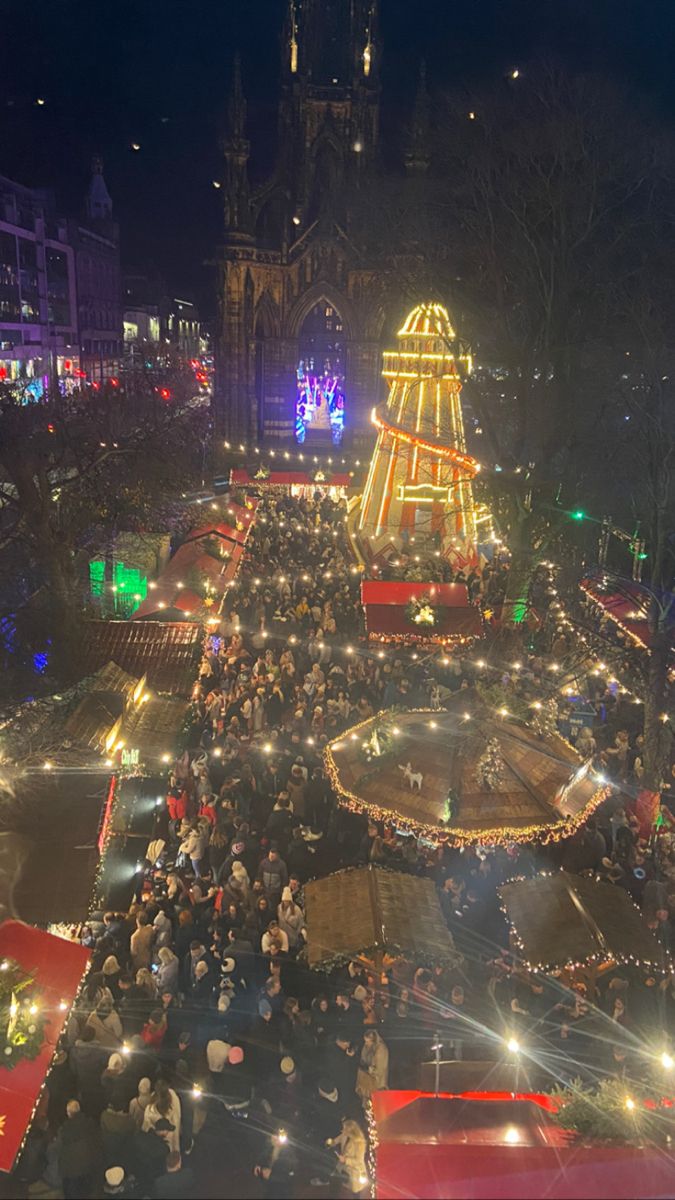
(576, 925)
(482, 1145)
(403, 612)
(39, 979)
(367, 912)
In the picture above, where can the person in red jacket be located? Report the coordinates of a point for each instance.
(177, 803)
(207, 810)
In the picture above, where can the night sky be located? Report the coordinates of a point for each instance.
(156, 72)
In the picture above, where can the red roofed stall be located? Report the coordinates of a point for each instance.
(481, 1145)
(385, 604)
(242, 477)
(58, 967)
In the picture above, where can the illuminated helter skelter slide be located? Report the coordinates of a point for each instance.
(419, 485)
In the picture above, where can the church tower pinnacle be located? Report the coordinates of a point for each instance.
(418, 148)
(236, 149)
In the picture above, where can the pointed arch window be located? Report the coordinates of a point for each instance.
(320, 393)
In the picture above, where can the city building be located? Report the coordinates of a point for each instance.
(60, 302)
(301, 313)
(159, 323)
(38, 291)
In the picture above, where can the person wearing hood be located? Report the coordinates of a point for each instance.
(140, 1102)
(163, 932)
(106, 1025)
(167, 974)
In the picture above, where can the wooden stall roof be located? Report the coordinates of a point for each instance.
(153, 728)
(110, 688)
(167, 652)
(365, 909)
(560, 919)
(545, 789)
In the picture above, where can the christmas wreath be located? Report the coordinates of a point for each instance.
(420, 611)
(21, 1019)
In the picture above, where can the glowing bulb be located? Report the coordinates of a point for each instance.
(629, 1103)
(196, 1091)
(513, 1046)
(47, 766)
(282, 1137)
(667, 1061)
(511, 1135)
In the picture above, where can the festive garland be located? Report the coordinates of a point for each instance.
(20, 1016)
(420, 611)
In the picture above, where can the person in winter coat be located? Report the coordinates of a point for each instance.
(88, 1059)
(167, 975)
(291, 919)
(111, 972)
(141, 942)
(163, 932)
(141, 1101)
(273, 874)
(194, 846)
(373, 1073)
(78, 1152)
(351, 1147)
(106, 1025)
(164, 1106)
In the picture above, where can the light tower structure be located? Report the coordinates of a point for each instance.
(420, 480)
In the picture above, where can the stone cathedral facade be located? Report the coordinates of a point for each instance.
(301, 314)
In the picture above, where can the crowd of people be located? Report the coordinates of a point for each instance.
(204, 1057)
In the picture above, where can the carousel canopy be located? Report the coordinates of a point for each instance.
(403, 767)
(364, 910)
(562, 919)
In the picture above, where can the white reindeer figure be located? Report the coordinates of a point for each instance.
(414, 777)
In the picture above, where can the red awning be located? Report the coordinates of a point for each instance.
(244, 478)
(626, 608)
(383, 591)
(58, 967)
(227, 533)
